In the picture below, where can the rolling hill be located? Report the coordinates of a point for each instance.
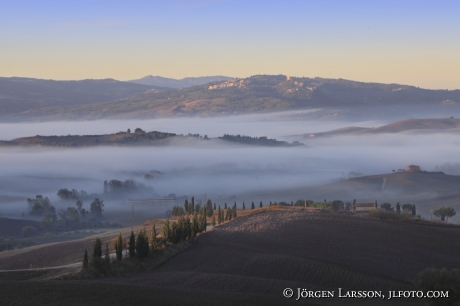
(19, 96)
(138, 138)
(336, 99)
(253, 258)
(403, 126)
(174, 83)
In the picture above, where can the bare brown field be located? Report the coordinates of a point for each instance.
(250, 260)
(274, 248)
(62, 253)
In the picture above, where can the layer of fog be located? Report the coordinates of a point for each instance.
(273, 125)
(224, 172)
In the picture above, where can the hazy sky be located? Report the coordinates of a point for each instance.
(410, 42)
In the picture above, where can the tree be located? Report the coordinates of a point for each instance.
(153, 238)
(128, 131)
(209, 210)
(40, 206)
(398, 208)
(186, 206)
(407, 207)
(107, 257)
(85, 259)
(119, 247)
(166, 230)
(386, 206)
(79, 205)
(28, 230)
(414, 211)
(195, 228)
(252, 206)
(444, 213)
(97, 248)
(225, 206)
(213, 221)
(96, 208)
(219, 217)
(97, 254)
(142, 244)
(49, 222)
(214, 206)
(244, 207)
(132, 245)
(261, 205)
(222, 219)
(336, 205)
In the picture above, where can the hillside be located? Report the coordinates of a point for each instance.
(252, 259)
(409, 125)
(20, 96)
(138, 138)
(336, 99)
(175, 83)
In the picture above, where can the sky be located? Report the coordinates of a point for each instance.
(407, 42)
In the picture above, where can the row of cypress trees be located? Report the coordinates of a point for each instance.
(140, 247)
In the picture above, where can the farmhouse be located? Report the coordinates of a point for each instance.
(413, 168)
(359, 207)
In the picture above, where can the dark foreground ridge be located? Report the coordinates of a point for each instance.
(251, 260)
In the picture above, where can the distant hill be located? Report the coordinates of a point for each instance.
(18, 95)
(174, 83)
(138, 138)
(335, 99)
(409, 125)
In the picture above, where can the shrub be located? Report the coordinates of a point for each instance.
(28, 231)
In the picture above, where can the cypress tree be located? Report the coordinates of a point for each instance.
(398, 208)
(119, 247)
(203, 222)
(85, 259)
(252, 206)
(194, 225)
(244, 207)
(186, 206)
(209, 210)
(97, 250)
(167, 230)
(213, 221)
(153, 238)
(219, 220)
(193, 205)
(183, 228)
(222, 219)
(142, 245)
(97, 254)
(234, 213)
(188, 227)
(225, 206)
(106, 257)
(214, 206)
(132, 245)
(173, 233)
(261, 205)
(414, 212)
